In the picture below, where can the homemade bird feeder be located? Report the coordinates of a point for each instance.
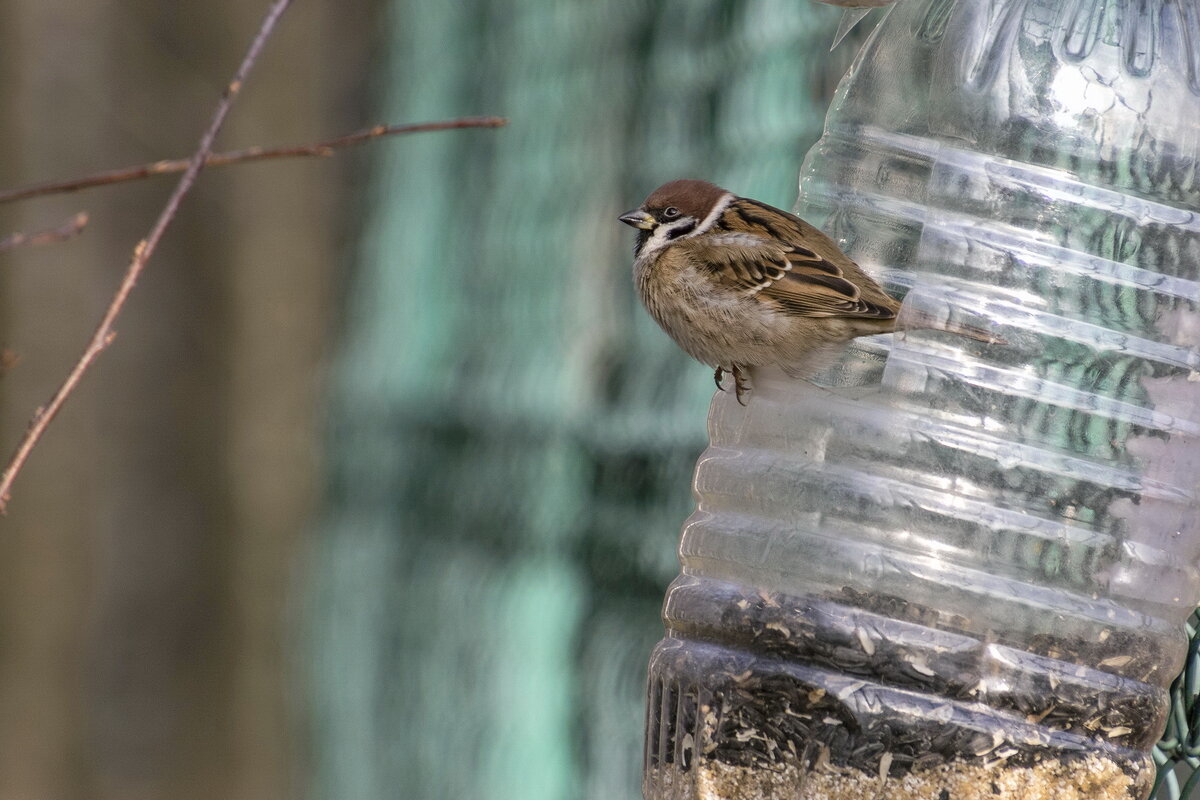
(962, 570)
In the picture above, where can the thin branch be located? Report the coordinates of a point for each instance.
(319, 149)
(104, 334)
(72, 227)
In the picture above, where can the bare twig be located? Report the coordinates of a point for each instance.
(104, 334)
(321, 149)
(72, 227)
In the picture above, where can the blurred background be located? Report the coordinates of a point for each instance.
(378, 490)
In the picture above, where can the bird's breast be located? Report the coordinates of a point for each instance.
(711, 323)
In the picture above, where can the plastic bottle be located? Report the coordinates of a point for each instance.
(961, 570)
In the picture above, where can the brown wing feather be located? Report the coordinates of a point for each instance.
(779, 258)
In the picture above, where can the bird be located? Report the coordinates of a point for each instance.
(738, 283)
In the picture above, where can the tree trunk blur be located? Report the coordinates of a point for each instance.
(145, 561)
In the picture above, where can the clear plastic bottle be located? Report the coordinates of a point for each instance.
(961, 570)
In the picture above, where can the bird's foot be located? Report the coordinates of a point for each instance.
(740, 385)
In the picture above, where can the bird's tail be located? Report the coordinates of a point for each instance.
(920, 322)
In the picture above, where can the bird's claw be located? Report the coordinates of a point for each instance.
(740, 386)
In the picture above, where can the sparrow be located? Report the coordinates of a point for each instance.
(738, 283)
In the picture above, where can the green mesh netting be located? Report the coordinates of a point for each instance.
(1178, 752)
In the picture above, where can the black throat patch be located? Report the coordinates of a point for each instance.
(682, 230)
(643, 236)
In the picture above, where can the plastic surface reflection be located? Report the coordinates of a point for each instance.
(964, 569)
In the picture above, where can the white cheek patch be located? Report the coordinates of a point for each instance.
(661, 237)
(657, 241)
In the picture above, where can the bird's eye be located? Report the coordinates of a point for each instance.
(671, 213)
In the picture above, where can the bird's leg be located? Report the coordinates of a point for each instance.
(719, 376)
(740, 387)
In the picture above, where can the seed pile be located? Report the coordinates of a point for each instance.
(1087, 778)
(815, 687)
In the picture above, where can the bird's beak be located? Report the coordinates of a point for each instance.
(638, 219)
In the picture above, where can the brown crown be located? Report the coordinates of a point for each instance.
(693, 198)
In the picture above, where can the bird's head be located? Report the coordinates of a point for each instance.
(674, 210)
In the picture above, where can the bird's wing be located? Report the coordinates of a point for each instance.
(795, 278)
